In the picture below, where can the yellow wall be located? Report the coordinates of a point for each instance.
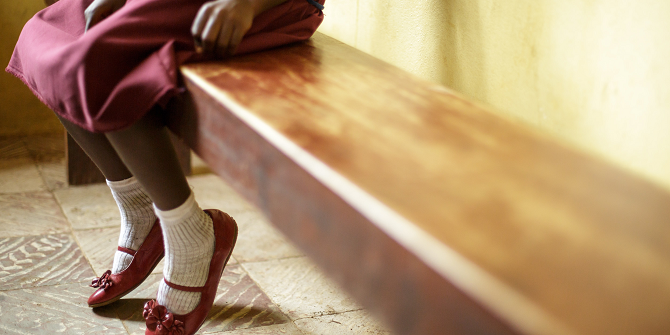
(594, 72)
(20, 112)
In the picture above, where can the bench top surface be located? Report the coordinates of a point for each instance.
(543, 234)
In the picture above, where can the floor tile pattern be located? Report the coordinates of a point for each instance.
(239, 304)
(55, 310)
(259, 241)
(54, 239)
(211, 192)
(90, 206)
(356, 322)
(53, 174)
(20, 175)
(17, 168)
(282, 329)
(299, 288)
(99, 246)
(33, 213)
(40, 261)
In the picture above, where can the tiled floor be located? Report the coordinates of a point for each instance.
(54, 239)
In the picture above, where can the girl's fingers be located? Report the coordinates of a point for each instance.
(223, 42)
(220, 25)
(210, 34)
(89, 23)
(199, 24)
(94, 19)
(235, 40)
(99, 11)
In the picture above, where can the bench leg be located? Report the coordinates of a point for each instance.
(81, 170)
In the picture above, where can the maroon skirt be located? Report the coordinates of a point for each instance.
(108, 78)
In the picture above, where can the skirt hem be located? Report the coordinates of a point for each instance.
(158, 99)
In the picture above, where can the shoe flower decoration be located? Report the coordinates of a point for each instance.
(159, 320)
(104, 281)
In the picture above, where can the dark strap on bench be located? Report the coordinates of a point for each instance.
(316, 4)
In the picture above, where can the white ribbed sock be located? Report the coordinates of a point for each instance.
(137, 218)
(188, 236)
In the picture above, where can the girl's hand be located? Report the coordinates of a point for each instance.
(220, 25)
(100, 9)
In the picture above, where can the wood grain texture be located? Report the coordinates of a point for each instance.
(343, 242)
(13, 148)
(581, 243)
(46, 147)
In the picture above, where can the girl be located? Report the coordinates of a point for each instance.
(108, 69)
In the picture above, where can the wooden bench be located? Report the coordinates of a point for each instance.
(434, 213)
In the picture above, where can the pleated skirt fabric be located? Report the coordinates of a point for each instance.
(109, 77)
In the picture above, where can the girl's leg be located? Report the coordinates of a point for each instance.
(101, 152)
(147, 151)
(188, 234)
(135, 206)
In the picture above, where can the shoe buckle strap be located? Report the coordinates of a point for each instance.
(126, 250)
(184, 288)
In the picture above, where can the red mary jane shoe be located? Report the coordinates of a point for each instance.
(161, 322)
(112, 287)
